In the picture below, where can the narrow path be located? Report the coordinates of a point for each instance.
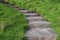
(40, 29)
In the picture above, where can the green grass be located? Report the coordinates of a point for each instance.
(12, 23)
(50, 9)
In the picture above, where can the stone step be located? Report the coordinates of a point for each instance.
(36, 18)
(39, 24)
(26, 11)
(40, 34)
(30, 14)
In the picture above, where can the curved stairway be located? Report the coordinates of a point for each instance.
(40, 29)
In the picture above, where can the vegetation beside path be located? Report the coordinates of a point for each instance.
(50, 9)
(12, 23)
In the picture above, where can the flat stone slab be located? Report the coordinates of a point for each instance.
(36, 18)
(40, 34)
(39, 24)
(30, 14)
(26, 11)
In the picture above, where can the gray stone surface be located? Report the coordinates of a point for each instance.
(40, 34)
(39, 24)
(31, 14)
(36, 18)
(25, 11)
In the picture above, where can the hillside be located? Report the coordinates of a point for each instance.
(50, 9)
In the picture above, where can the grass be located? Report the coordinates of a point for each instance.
(50, 9)
(12, 23)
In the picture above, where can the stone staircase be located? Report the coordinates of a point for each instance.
(40, 29)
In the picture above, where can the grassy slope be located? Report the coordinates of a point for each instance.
(14, 23)
(46, 8)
